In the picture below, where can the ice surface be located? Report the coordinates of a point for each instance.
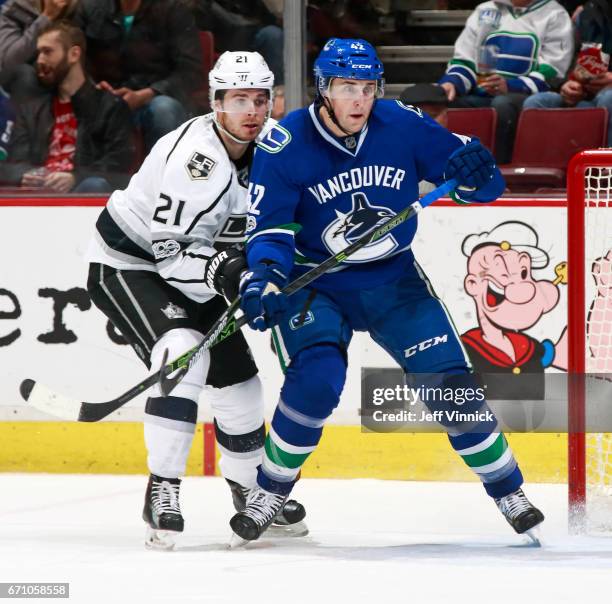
(370, 541)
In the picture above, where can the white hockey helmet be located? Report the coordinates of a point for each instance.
(235, 69)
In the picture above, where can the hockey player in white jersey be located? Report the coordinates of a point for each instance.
(161, 263)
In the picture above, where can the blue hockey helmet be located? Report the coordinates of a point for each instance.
(349, 58)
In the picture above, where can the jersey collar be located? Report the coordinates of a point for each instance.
(334, 140)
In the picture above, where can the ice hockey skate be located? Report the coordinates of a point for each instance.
(521, 514)
(259, 513)
(289, 521)
(162, 512)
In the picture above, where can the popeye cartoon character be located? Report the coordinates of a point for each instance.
(510, 300)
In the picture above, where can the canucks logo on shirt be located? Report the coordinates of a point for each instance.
(362, 218)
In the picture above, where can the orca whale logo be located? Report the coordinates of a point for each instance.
(363, 218)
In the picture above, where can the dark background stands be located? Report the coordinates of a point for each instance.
(159, 49)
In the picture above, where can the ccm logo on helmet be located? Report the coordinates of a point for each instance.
(360, 66)
(425, 344)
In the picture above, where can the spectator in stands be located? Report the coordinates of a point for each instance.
(430, 99)
(594, 26)
(20, 23)
(347, 19)
(508, 50)
(7, 121)
(571, 5)
(76, 137)
(269, 40)
(278, 104)
(148, 53)
(252, 24)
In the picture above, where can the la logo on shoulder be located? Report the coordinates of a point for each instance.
(199, 166)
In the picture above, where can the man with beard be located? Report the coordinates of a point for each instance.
(21, 21)
(76, 137)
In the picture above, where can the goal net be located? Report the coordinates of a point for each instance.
(590, 338)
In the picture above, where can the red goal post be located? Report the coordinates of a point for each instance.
(589, 217)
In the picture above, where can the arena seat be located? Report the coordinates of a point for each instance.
(546, 139)
(480, 122)
(207, 43)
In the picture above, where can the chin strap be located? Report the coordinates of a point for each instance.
(322, 101)
(228, 133)
(325, 102)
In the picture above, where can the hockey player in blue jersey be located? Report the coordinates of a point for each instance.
(320, 179)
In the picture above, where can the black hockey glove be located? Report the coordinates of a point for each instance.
(223, 272)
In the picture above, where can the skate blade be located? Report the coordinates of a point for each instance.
(533, 537)
(159, 540)
(236, 542)
(298, 529)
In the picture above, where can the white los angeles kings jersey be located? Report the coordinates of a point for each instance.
(186, 197)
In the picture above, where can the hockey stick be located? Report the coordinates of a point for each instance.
(192, 356)
(44, 399)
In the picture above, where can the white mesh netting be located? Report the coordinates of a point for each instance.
(598, 290)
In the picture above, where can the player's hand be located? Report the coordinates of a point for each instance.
(450, 90)
(261, 301)
(224, 270)
(572, 92)
(474, 168)
(60, 182)
(472, 165)
(495, 85)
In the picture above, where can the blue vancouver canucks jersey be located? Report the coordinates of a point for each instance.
(311, 194)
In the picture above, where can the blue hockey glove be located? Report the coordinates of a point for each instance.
(261, 300)
(474, 168)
